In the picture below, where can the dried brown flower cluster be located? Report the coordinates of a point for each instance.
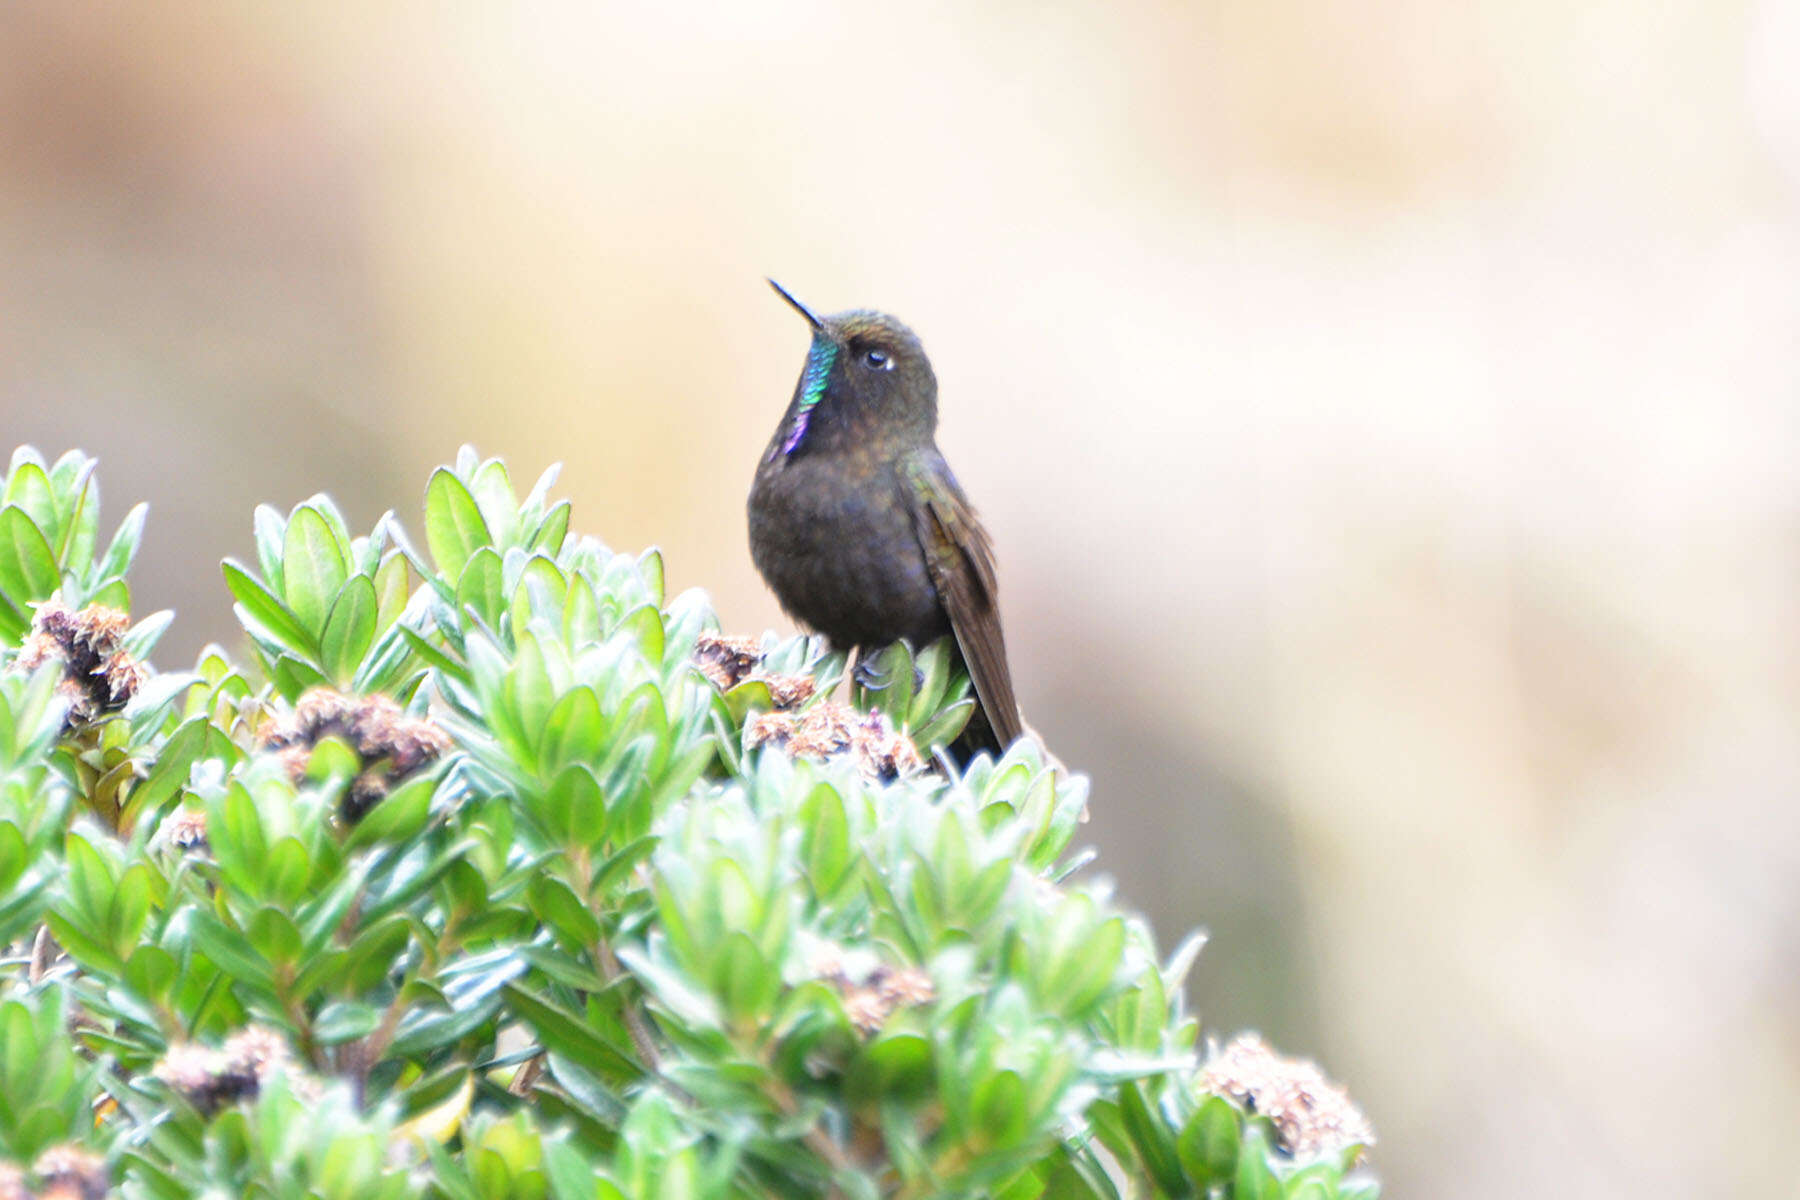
(98, 675)
(729, 661)
(872, 999)
(1312, 1115)
(391, 744)
(68, 1173)
(209, 1078)
(183, 829)
(830, 729)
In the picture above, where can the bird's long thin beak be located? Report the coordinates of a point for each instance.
(818, 325)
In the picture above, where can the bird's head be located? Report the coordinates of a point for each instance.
(866, 379)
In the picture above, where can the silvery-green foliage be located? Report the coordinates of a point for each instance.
(468, 882)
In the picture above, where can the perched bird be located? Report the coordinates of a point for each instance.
(857, 523)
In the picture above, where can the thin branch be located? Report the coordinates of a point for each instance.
(642, 1039)
(43, 950)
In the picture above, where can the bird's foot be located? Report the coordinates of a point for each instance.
(869, 677)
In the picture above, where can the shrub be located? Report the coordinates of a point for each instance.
(494, 871)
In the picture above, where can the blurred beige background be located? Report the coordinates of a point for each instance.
(1386, 412)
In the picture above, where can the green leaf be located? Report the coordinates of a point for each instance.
(235, 830)
(573, 731)
(933, 664)
(391, 591)
(258, 604)
(85, 920)
(345, 1021)
(170, 774)
(532, 506)
(540, 591)
(433, 656)
(288, 871)
(746, 983)
(15, 620)
(559, 907)
(28, 572)
(274, 935)
(13, 855)
(75, 545)
(1079, 960)
(1317, 1183)
(586, 1088)
(271, 533)
(390, 667)
(313, 567)
(898, 1064)
(374, 952)
(399, 817)
(572, 1175)
(650, 568)
(529, 695)
(122, 550)
(349, 630)
(28, 487)
(998, 1110)
(479, 588)
(562, 1032)
(328, 509)
(473, 996)
(622, 863)
(891, 689)
(1141, 1015)
(114, 593)
(1150, 1134)
(1255, 1180)
(130, 908)
(141, 638)
(1208, 1143)
(575, 807)
(148, 709)
(498, 505)
(83, 943)
(643, 625)
(581, 613)
(825, 839)
(942, 729)
(454, 528)
(150, 972)
(552, 529)
(559, 966)
(90, 882)
(292, 676)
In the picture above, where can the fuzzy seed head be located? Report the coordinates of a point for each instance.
(99, 677)
(391, 744)
(184, 829)
(1312, 1115)
(725, 660)
(831, 729)
(72, 1171)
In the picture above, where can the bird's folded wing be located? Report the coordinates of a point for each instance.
(961, 561)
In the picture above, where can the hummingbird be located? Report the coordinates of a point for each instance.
(858, 524)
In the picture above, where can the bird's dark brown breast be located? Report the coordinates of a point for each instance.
(841, 552)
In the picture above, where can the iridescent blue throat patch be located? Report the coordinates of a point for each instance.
(812, 388)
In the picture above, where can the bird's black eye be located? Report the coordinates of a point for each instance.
(878, 360)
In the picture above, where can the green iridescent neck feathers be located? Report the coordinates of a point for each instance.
(812, 389)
